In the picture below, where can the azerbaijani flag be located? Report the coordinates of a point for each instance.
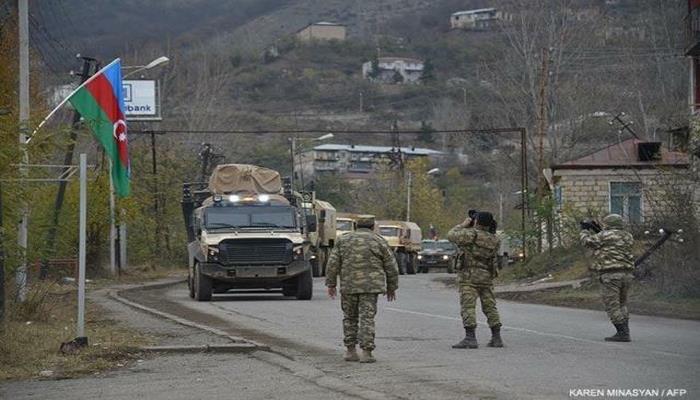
(101, 104)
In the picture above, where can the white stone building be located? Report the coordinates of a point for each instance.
(393, 70)
(483, 18)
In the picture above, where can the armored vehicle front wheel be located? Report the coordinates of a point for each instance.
(202, 285)
(305, 286)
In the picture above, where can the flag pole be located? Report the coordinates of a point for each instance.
(64, 101)
(112, 229)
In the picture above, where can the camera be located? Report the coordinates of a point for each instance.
(590, 225)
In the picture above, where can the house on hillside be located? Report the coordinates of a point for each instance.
(393, 70)
(633, 178)
(322, 31)
(483, 18)
(357, 161)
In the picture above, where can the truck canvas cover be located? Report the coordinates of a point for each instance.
(239, 178)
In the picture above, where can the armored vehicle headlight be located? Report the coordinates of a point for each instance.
(264, 198)
(234, 198)
(445, 257)
(213, 251)
(217, 199)
(420, 256)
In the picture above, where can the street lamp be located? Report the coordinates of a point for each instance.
(162, 60)
(294, 152)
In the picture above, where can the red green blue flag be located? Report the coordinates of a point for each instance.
(101, 104)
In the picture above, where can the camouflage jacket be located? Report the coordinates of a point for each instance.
(612, 249)
(480, 250)
(364, 262)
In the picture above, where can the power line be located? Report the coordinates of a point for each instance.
(299, 131)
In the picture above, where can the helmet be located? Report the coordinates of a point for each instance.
(365, 221)
(613, 221)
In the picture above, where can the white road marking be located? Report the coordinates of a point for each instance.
(532, 331)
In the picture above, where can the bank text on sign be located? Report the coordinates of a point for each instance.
(141, 100)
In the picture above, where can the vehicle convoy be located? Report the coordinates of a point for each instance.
(404, 238)
(437, 254)
(323, 238)
(246, 231)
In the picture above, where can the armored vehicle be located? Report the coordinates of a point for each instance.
(246, 231)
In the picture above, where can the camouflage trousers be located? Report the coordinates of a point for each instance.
(467, 299)
(614, 288)
(358, 319)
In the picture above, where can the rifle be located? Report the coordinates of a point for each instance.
(665, 235)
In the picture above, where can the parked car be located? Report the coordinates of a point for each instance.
(437, 254)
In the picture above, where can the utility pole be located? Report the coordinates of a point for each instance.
(2, 268)
(542, 132)
(23, 24)
(408, 197)
(156, 195)
(89, 68)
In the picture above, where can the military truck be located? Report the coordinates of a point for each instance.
(246, 230)
(322, 240)
(405, 239)
(345, 222)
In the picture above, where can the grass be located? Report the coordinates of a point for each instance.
(643, 299)
(563, 264)
(571, 264)
(31, 337)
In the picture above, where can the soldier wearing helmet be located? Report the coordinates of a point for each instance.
(613, 263)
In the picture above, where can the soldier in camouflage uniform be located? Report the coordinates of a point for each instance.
(476, 274)
(367, 267)
(613, 262)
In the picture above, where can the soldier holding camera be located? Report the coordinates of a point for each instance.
(476, 239)
(613, 262)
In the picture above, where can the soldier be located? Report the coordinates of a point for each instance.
(613, 262)
(367, 267)
(475, 276)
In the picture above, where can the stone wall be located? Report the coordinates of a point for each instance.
(587, 191)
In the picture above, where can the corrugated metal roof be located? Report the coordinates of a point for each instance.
(624, 154)
(418, 151)
(477, 11)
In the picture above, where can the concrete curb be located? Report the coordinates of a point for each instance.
(206, 348)
(259, 351)
(235, 339)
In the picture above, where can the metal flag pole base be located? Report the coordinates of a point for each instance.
(81, 340)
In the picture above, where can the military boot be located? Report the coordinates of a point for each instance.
(351, 354)
(469, 341)
(366, 356)
(496, 340)
(622, 335)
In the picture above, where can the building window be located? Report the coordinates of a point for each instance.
(626, 200)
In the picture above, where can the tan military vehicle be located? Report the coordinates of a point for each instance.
(347, 222)
(323, 239)
(344, 223)
(246, 231)
(405, 239)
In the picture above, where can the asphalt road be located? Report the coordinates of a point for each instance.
(549, 350)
